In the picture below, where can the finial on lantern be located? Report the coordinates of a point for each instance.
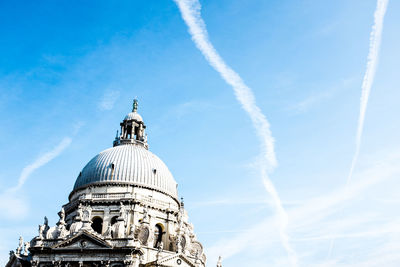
(135, 105)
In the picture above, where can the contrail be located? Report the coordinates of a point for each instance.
(373, 56)
(39, 162)
(190, 11)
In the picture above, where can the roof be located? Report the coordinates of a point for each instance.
(133, 116)
(128, 163)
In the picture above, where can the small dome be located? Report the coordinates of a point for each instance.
(128, 163)
(133, 116)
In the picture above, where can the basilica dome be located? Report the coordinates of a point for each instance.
(124, 211)
(129, 162)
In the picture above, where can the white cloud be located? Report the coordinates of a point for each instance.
(13, 204)
(108, 100)
(39, 162)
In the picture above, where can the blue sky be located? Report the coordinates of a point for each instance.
(70, 69)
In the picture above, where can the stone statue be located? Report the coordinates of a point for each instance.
(41, 230)
(145, 215)
(122, 213)
(46, 225)
(52, 233)
(20, 245)
(11, 253)
(86, 211)
(119, 229)
(179, 243)
(107, 234)
(62, 216)
(26, 247)
(86, 214)
(219, 263)
(180, 220)
(135, 105)
(62, 231)
(79, 212)
(140, 133)
(132, 230)
(197, 256)
(77, 224)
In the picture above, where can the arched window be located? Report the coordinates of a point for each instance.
(97, 224)
(158, 233)
(112, 170)
(113, 220)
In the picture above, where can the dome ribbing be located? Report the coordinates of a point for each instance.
(128, 163)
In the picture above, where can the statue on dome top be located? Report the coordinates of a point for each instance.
(135, 105)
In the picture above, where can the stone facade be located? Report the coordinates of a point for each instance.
(118, 215)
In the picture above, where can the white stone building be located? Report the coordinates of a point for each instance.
(124, 210)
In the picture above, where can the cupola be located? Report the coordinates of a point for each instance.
(132, 129)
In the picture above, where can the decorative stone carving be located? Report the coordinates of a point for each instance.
(43, 228)
(118, 230)
(58, 231)
(52, 233)
(190, 232)
(26, 247)
(132, 229)
(108, 232)
(145, 218)
(86, 214)
(183, 242)
(196, 248)
(62, 231)
(11, 254)
(57, 263)
(178, 243)
(20, 245)
(143, 233)
(79, 212)
(172, 242)
(219, 263)
(122, 211)
(62, 217)
(77, 224)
